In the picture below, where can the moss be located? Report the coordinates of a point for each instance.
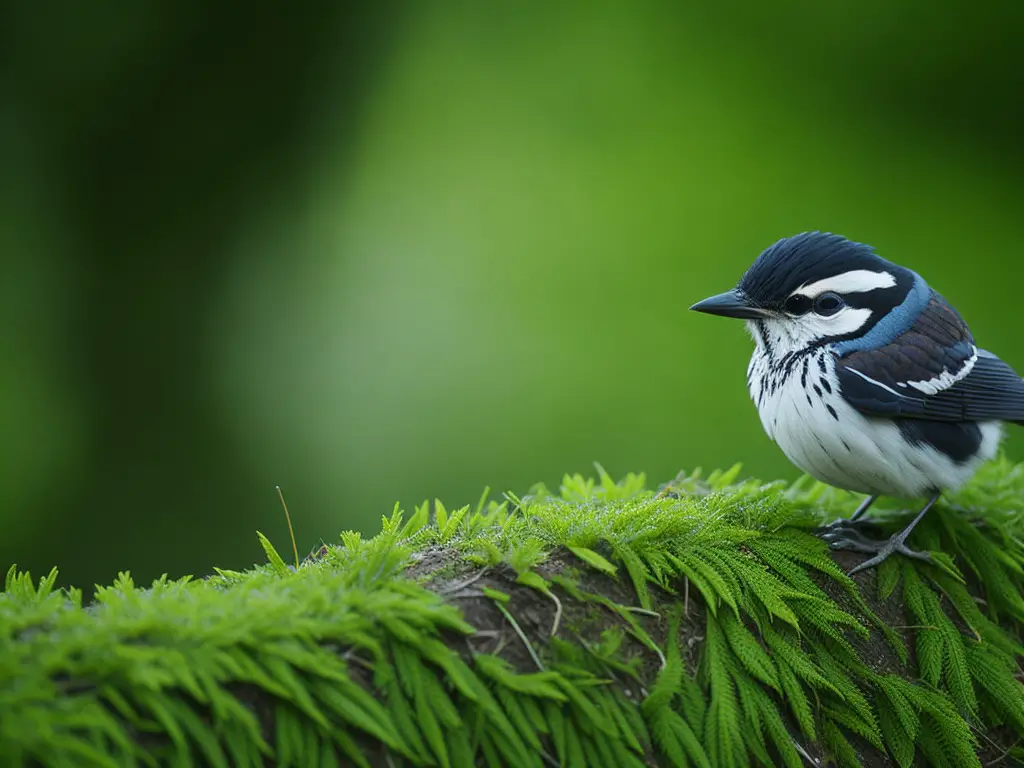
(604, 624)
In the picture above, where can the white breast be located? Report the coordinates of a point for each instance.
(831, 441)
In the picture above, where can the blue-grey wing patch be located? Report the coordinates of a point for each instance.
(932, 371)
(991, 391)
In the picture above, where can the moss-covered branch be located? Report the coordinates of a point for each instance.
(603, 625)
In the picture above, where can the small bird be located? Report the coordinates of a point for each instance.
(867, 378)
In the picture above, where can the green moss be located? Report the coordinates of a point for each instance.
(604, 624)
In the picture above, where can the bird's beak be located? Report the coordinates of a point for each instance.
(730, 304)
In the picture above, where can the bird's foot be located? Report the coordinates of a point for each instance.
(846, 523)
(856, 520)
(853, 540)
(849, 537)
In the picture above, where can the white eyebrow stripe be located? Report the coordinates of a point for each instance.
(854, 281)
(847, 320)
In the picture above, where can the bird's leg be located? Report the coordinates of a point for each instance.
(882, 550)
(864, 507)
(857, 515)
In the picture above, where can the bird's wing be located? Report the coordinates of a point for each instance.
(932, 371)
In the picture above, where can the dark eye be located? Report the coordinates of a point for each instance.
(828, 304)
(798, 304)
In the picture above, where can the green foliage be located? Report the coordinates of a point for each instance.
(345, 656)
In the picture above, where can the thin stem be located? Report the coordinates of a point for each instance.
(803, 752)
(291, 532)
(641, 611)
(522, 635)
(558, 612)
(463, 584)
(1006, 753)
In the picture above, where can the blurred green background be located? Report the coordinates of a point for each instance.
(380, 252)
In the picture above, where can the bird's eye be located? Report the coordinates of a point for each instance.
(828, 304)
(798, 304)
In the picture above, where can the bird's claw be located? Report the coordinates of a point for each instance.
(882, 550)
(852, 539)
(846, 523)
(885, 554)
(842, 526)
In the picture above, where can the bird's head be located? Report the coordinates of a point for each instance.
(811, 289)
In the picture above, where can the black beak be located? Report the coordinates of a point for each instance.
(730, 304)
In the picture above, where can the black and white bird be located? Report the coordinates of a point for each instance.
(866, 378)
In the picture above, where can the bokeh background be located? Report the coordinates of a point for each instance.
(385, 252)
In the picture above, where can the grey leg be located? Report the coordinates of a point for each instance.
(857, 515)
(883, 550)
(864, 507)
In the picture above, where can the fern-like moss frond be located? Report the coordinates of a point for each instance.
(602, 624)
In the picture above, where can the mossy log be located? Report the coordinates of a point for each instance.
(602, 625)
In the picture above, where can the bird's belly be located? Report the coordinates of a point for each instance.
(831, 441)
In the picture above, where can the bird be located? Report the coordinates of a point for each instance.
(867, 379)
